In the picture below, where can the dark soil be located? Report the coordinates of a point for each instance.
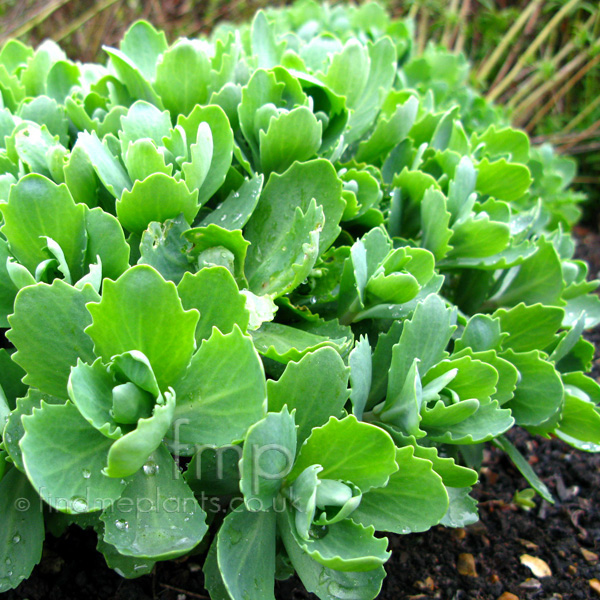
(566, 536)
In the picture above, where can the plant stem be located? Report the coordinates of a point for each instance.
(539, 40)
(563, 90)
(460, 41)
(520, 111)
(82, 19)
(452, 14)
(487, 66)
(32, 21)
(588, 110)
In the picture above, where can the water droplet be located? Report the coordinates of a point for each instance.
(121, 525)
(8, 438)
(16, 538)
(79, 505)
(313, 300)
(223, 218)
(317, 532)
(8, 561)
(151, 468)
(235, 536)
(186, 519)
(86, 473)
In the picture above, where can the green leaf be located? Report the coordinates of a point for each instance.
(348, 72)
(8, 290)
(361, 371)
(141, 311)
(62, 77)
(413, 500)
(21, 529)
(235, 211)
(503, 180)
(164, 248)
(538, 279)
(326, 583)
(524, 468)
(580, 424)
(105, 239)
(350, 451)
(129, 453)
(143, 159)
(284, 343)
(11, 375)
(280, 145)
(280, 198)
(182, 77)
(284, 260)
(156, 198)
(126, 566)
(225, 369)
(462, 510)
(388, 132)
(37, 207)
(265, 48)
(512, 143)
(47, 329)
(424, 337)
(268, 457)
(316, 387)
(246, 554)
(108, 168)
(222, 140)
(64, 457)
(347, 546)
(452, 475)
(215, 471)
(214, 293)
(539, 393)
(214, 238)
(478, 237)
(436, 220)
(131, 75)
(481, 333)
(91, 391)
(143, 44)
(531, 327)
(157, 516)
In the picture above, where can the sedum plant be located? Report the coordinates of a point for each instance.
(268, 293)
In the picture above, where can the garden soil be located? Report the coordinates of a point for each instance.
(483, 561)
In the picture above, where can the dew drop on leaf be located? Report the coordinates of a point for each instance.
(121, 525)
(86, 473)
(79, 504)
(16, 538)
(150, 468)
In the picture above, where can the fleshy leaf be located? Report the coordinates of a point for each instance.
(168, 523)
(414, 499)
(64, 457)
(141, 311)
(21, 529)
(316, 387)
(221, 394)
(350, 451)
(47, 329)
(268, 457)
(216, 296)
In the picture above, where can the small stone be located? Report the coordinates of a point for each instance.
(493, 578)
(508, 596)
(595, 585)
(428, 585)
(591, 557)
(572, 570)
(530, 584)
(194, 568)
(466, 565)
(459, 533)
(538, 567)
(527, 544)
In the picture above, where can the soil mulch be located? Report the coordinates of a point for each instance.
(480, 562)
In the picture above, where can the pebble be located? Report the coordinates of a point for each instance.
(508, 596)
(591, 557)
(595, 585)
(466, 565)
(538, 566)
